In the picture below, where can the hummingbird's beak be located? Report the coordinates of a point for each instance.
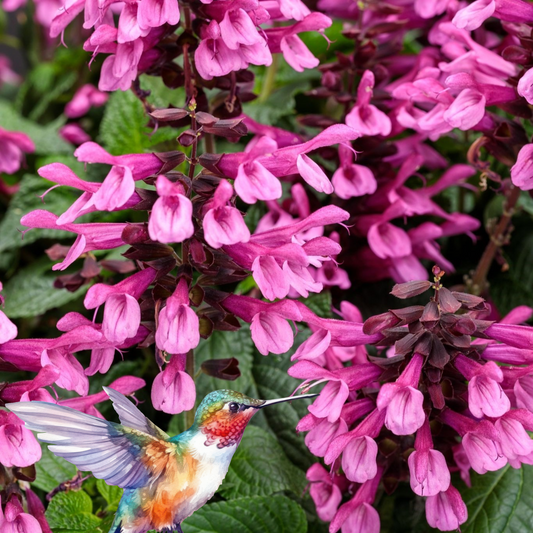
(280, 400)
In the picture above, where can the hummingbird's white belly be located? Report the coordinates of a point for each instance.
(213, 466)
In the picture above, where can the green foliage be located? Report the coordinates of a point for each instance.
(222, 345)
(500, 501)
(47, 140)
(123, 129)
(71, 511)
(258, 514)
(110, 493)
(37, 280)
(260, 468)
(52, 470)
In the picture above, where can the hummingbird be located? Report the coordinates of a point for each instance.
(165, 479)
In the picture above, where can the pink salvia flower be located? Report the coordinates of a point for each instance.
(472, 16)
(122, 316)
(466, 111)
(15, 520)
(171, 217)
(86, 97)
(173, 390)
(485, 395)
(525, 86)
(429, 473)
(178, 327)
(325, 491)
(366, 118)
(18, 446)
(313, 174)
(14, 145)
(402, 400)
(446, 510)
(222, 223)
(522, 170)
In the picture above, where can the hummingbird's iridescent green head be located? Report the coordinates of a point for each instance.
(224, 414)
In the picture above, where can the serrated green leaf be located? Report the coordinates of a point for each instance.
(46, 138)
(36, 280)
(27, 199)
(52, 470)
(111, 493)
(222, 345)
(277, 514)
(261, 468)
(123, 129)
(71, 511)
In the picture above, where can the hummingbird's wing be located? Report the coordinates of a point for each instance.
(131, 417)
(122, 456)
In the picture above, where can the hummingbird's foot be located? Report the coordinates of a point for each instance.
(178, 530)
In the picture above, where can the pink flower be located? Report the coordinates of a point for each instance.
(485, 395)
(429, 473)
(8, 330)
(322, 434)
(18, 446)
(515, 442)
(270, 277)
(173, 390)
(351, 180)
(15, 520)
(523, 390)
(313, 174)
(366, 118)
(117, 188)
(171, 217)
(472, 16)
(357, 515)
(178, 327)
(325, 492)
(154, 13)
(86, 97)
(525, 86)
(359, 459)
(36, 509)
(446, 510)
(14, 144)
(122, 316)
(467, 110)
(481, 441)
(74, 133)
(224, 224)
(522, 170)
(402, 401)
(271, 333)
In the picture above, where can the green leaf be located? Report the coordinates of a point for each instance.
(123, 129)
(515, 287)
(27, 199)
(272, 381)
(71, 511)
(277, 514)
(160, 94)
(320, 303)
(36, 280)
(500, 501)
(279, 104)
(46, 138)
(222, 345)
(52, 470)
(261, 468)
(110, 493)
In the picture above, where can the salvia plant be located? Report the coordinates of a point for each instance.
(237, 194)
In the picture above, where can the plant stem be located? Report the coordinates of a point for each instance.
(270, 79)
(479, 279)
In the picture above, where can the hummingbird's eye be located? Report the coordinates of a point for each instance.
(233, 407)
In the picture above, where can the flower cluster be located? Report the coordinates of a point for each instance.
(430, 384)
